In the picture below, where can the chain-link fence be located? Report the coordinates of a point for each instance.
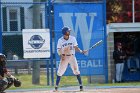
(17, 16)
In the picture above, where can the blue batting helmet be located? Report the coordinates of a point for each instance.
(65, 29)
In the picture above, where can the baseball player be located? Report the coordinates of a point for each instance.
(6, 79)
(66, 47)
(119, 56)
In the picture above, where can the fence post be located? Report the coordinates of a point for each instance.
(29, 67)
(0, 30)
(36, 25)
(50, 26)
(105, 42)
(46, 26)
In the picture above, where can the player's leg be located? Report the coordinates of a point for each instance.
(137, 63)
(57, 82)
(128, 63)
(121, 71)
(3, 85)
(75, 69)
(118, 71)
(80, 82)
(61, 70)
(10, 82)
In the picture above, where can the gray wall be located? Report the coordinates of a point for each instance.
(110, 49)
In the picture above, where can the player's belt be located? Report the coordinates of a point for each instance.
(67, 54)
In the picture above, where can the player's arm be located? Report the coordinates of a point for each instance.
(16, 82)
(76, 45)
(78, 49)
(7, 73)
(59, 51)
(59, 48)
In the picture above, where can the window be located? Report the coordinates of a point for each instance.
(13, 19)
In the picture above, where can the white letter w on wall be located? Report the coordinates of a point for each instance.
(80, 24)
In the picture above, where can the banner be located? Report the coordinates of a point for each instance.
(86, 20)
(36, 43)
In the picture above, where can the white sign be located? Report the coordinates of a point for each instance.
(36, 43)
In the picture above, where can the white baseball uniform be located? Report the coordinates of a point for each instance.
(68, 51)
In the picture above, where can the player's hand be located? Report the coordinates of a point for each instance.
(11, 76)
(84, 51)
(62, 57)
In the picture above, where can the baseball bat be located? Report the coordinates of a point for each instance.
(95, 45)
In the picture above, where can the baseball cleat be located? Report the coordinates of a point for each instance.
(56, 88)
(81, 88)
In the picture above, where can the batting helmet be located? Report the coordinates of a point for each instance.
(2, 56)
(65, 29)
(2, 59)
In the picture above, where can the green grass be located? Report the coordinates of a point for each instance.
(65, 81)
(27, 81)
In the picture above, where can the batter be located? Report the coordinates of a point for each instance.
(66, 47)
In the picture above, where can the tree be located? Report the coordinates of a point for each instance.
(121, 11)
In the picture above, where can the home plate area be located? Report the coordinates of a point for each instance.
(86, 90)
(110, 90)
